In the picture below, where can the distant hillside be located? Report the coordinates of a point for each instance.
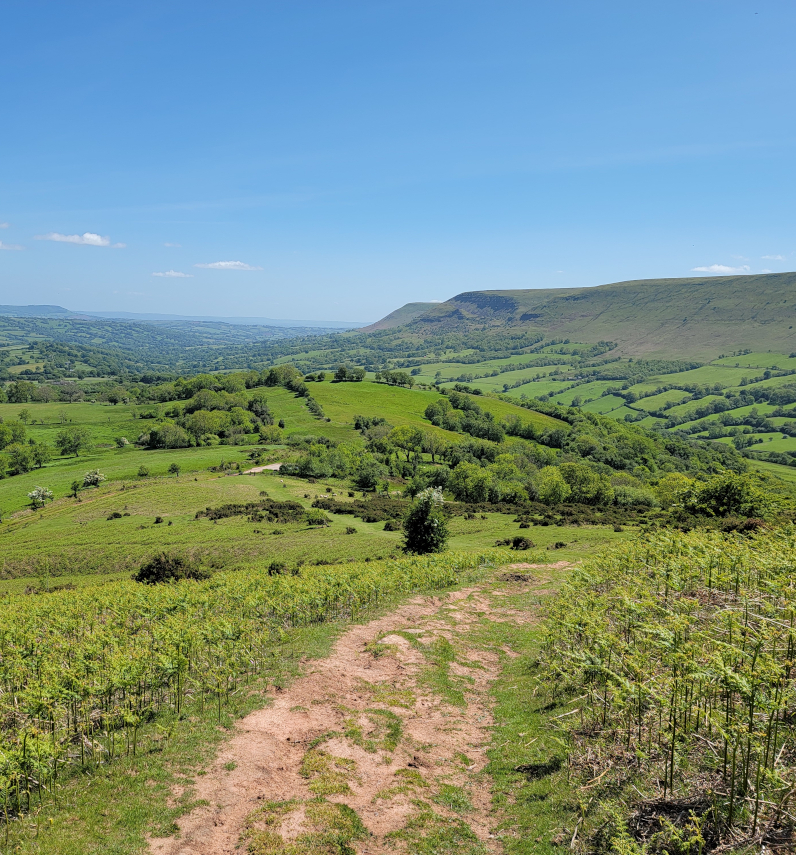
(400, 316)
(60, 312)
(234, 321)
(669, 318)
(34, 311)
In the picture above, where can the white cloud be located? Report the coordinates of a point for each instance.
(766, 270)
(227, 265)
(10, 246)
(721, 268)
(86, 239)
(773, 257)
(172, 244)
(175, 274)
(4, 225)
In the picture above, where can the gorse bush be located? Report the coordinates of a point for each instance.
(680, 653)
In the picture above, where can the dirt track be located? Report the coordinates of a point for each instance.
(334, 718)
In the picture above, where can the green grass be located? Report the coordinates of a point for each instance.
(69, 538)
(655, 402)
(606, 405)
(758, 361)
(786, 473)
(534, 809)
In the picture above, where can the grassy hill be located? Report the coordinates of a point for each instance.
(400, 316)
(696, 318)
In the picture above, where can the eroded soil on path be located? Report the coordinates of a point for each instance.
(377, 747)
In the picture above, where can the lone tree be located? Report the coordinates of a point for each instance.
(71, 441)
(39, 495)
(93, 478)
(425, 527)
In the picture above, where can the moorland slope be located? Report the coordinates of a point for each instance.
(697, 318)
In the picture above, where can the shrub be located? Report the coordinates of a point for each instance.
(93, 478)
(270, 434)
(392, 525)
(425, 528)
(369, 473)
(39, 495)
(169, 568)
(143, 471)
(316, 517)
(349, 529)
(516, 543)
(728, 495)
(115, 516)
(169, 435)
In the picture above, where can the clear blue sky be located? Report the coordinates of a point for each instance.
(360, 155)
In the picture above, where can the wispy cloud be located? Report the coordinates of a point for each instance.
(172, 244)
(86, 239)
(174, 274)
(10, 246)
(720, 268)
(773, 257)
(227, 265)
(4, 225)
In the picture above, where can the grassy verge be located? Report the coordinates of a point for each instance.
(536, 805)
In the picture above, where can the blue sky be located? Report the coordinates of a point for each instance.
(343, 158)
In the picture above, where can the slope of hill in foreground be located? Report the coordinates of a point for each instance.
(697, 318)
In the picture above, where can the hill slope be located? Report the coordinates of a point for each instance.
(404, 315)
(696, 317)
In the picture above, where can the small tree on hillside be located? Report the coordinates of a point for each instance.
(93, 478)
(71, 441)
(425, 527)
(39, 495)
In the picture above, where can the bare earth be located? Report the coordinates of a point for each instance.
(255, 470)
(267, 760)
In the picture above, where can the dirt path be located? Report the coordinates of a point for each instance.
(393, 725)
(255, 470)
